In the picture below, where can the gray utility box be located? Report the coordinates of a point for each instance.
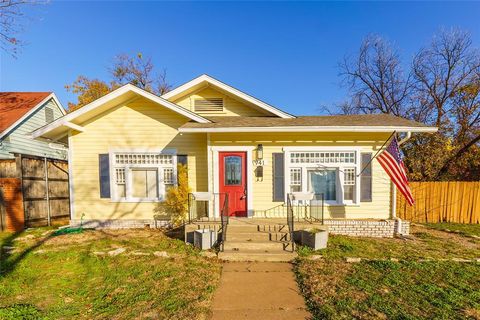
(204, 239)
(314, 238)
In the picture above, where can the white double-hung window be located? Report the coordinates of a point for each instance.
(331, 172)
(142, 176)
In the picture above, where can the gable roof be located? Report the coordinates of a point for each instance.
(126, 92)
(206, 80)
(15, 107)
(335, 123)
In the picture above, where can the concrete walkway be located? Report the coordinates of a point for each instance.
(258, 290)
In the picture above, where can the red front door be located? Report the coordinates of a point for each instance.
(233, 181)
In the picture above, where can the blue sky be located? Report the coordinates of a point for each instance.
(285, 53)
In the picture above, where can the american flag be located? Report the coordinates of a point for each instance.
(391, 161)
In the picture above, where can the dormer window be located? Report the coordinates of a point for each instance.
(208, 105)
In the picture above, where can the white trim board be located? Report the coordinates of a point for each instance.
(33, 110)
(70, 177)
(233, 91)
(214, 180)
(312, 129)
(112, 95)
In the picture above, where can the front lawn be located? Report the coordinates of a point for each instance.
(469, 230)
(78, 276)
(420, 278)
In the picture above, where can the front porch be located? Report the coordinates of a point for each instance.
(270, 239)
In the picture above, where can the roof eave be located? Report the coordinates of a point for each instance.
(68, 118)
(313, 129)
(33, 110)
(210, 80)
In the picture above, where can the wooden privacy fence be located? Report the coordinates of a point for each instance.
(44, 189)
(449, 201)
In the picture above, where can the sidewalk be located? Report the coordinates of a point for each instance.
(258, 290)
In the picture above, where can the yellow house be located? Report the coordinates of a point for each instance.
(124, 149)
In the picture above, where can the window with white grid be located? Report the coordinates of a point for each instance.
(142, 175)
(349, 184)
(120, 175)
(295, 179)
(168, 176)
(349, 176)
(332, 173)
(322, 157)
(143, 158)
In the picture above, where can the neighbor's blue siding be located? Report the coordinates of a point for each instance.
(18, 141)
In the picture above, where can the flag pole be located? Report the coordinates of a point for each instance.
(393, 133)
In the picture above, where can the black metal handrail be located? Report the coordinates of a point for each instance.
(224, 216)
(290, 221)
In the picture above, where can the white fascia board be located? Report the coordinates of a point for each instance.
(60, 106)
(31, 111)
(170, 105)
(74, 126)
(112, 95)
(231, 90)
(313, 129)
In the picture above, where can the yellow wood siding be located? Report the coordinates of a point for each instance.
(232, 107)
(144, 124)
(139, 124)
(379, 208)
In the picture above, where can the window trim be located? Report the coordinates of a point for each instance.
(339, 167)
(128, 176)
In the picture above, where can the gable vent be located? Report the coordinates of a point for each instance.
(210, 104)
(49, 115)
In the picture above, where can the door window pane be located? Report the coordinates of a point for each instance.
(233, 170)
(323, 181)
(144, 184)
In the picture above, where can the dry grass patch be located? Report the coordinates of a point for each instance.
(379, 288)
(67, 280)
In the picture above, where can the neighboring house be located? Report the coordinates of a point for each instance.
(125, 146)
(20, 114)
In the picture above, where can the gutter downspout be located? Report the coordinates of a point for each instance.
(393, 213)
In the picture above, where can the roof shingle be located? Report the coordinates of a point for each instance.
(14, 105)
(371, 120)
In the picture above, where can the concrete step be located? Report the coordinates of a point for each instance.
(233, 228)
(246, 236)
(193, 227)
(279, 236)
(241, 246)
(255, 255)
(272, 228)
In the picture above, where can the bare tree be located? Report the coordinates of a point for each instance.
(442, 89)
(440, 70)
(139, 71)
(446, 77)
(136, 70)
(375, 78)
(11, 23)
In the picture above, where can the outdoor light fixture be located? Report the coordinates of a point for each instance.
(259, 152)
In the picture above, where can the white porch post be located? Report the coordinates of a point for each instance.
(393, 207)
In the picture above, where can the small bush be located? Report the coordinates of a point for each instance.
(175, 205)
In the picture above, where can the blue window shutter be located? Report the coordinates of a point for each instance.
(278, 177)
(182, 159)
(104, 172)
